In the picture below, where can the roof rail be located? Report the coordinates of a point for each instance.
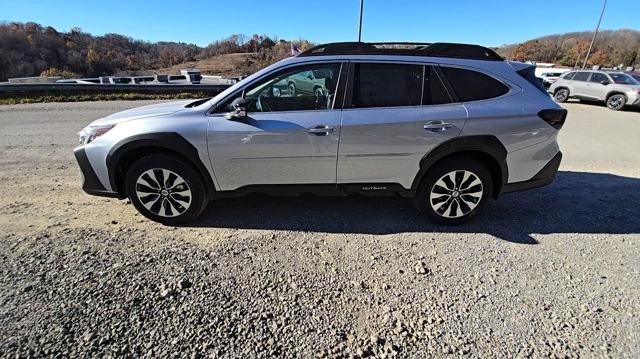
(438, 49)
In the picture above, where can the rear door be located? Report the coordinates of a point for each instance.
(579, 84)
(394, 114)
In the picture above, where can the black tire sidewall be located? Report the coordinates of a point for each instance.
(440, 169)
(199, 196)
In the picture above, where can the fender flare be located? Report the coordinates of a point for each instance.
(169, 141)
(483, 145)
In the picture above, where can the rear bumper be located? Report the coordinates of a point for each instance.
(546, 175)
(90, 181)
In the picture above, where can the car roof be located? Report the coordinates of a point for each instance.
(438, 49)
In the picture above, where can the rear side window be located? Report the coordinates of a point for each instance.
(529, 74)
(473, 86)
(581, 76)
(387, 85)
(569, 76)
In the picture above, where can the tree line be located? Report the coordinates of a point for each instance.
(30, 49)
(611, 49)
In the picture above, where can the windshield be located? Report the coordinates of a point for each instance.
(623, 79)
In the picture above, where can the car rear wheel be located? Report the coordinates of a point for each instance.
(561, 95)
(454, 191)
(165, 189)
(616, 102)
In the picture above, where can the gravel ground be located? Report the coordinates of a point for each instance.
(553, 272)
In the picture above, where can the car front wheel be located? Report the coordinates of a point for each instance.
(616, 102)
(454, 191)
(561, 95)
(165, 189)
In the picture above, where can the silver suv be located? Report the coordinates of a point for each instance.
(616, 89)
(449, 125)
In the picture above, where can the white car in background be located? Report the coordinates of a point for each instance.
(549, 75)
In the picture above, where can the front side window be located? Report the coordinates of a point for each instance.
(473, 85)
(387, 85)
(569, 76)
(598, 78)
(305, 88)
(623, 79)
(581, 76)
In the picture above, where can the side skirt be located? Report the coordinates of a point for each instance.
(326, 190)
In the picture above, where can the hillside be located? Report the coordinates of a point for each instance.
(31, 49)
(612, 48)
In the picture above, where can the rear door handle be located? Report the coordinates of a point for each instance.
(321, 130)
(437, 126)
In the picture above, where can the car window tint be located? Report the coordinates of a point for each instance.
(596, 77)
(387, 85)
(473, 85)
(300, 89)
(623, 79)
(434, 92)
(581, 76)
(569, 76)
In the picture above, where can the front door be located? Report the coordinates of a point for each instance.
(288, 137)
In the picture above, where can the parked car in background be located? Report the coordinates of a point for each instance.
(549, 78)
(615, 89)
(635, 75)
(449, 125)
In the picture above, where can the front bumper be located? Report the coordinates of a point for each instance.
(90, 181)
(546, 175)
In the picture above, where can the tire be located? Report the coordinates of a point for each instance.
(165, 189)
(561, 95)
(292, 89)
(616, 102)
(439, 196)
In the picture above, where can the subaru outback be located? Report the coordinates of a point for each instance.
(451, 126)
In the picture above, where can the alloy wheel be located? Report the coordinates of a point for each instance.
(561, 95)
(163, 192)
(456, 194)
(616, 102)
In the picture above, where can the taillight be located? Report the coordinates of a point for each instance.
(555, 117)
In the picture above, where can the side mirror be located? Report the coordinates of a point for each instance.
(239, 112)
(605, 82)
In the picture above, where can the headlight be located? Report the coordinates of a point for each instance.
(90, 133)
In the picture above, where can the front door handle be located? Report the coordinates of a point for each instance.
(437, 126)
(321, 130)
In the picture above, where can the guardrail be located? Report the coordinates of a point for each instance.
(58, 88)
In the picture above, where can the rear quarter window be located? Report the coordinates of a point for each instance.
(473, 85)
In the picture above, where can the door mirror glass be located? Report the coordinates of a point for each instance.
(239, 111)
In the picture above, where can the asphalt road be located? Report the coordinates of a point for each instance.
(546, 273)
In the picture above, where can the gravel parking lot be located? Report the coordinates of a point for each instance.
(553, 272)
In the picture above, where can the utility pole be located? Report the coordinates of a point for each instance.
(360, 26)
(593, 40)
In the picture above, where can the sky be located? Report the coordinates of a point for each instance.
(484, 22)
